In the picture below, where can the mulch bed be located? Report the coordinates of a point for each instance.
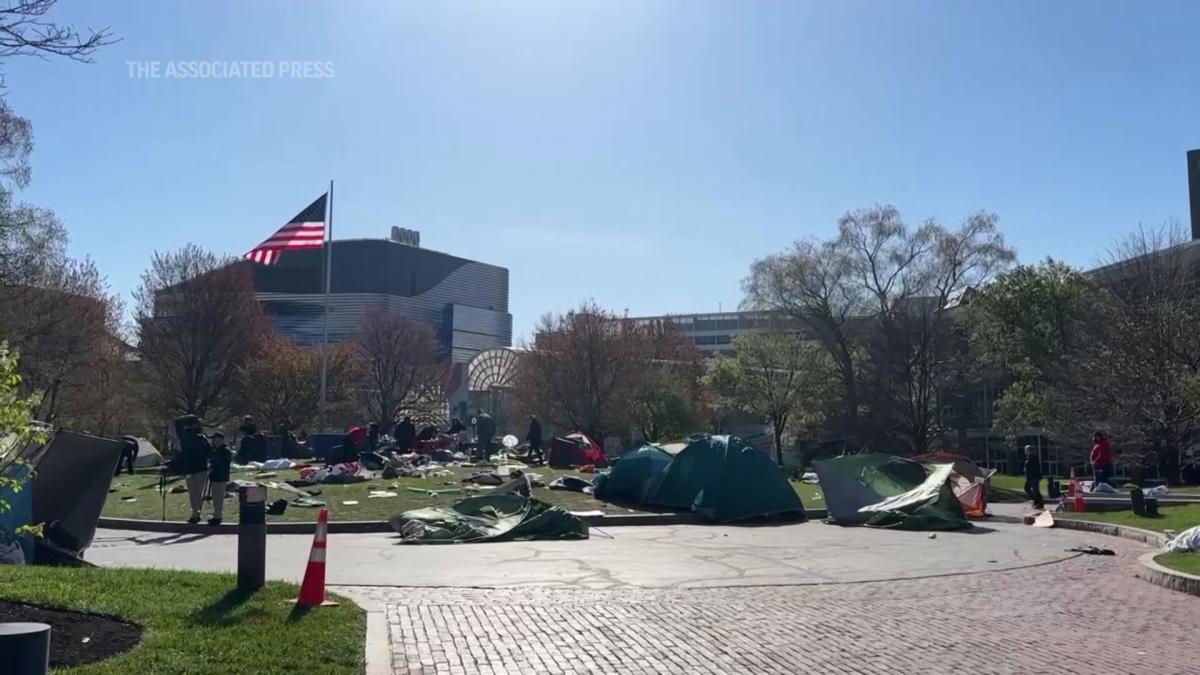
(75, 638)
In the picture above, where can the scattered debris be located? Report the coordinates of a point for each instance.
(933, 535)
(373, 494)
(1092, 550)
(129, 499)
(350, 502)
(1044, 519)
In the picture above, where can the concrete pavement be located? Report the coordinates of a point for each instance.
(808, 598)
(640, 557)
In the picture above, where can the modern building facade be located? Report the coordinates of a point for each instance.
(713, 333)
(466, 302)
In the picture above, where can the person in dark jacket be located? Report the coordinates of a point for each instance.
(129, 453)
(535, 440)
(218, 475)
(406, 434)
(192, 461)
(372, 437)
(485, 430)
(1033, 476)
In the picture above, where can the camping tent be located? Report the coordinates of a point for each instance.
(148, 455)
(575, 449)
(70, 483)
(969, 482)
(634, 477)
(724, 480)
(886, 491)
(510, 517)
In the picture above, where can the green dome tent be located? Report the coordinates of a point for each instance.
(634, 477)
(885, 491)
(724, 479)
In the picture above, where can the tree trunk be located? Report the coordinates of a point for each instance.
(778, 447)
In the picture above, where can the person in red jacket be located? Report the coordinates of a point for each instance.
(1102, 458)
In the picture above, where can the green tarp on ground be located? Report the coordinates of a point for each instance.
(725, 480)
(488, 518)
(634, 477)
(887, 491)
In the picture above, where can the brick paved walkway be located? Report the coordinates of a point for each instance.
(1035, 620)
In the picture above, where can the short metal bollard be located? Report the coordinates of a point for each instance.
(252, 538)
(25, 648)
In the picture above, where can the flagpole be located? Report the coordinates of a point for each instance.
(325, 328)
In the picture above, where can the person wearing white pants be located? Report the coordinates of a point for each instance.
(195, 486)
(218, 475)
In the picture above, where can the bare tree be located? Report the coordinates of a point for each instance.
(25, 31)
(403, 369)
(880, 299)
(198, 324)
(586, 369)
(283, 384)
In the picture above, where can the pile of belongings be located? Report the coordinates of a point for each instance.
(719, 477)
(575, 449)
(493, 517)
(337, 474)
(1188, 540)
(969, 482)
(879, 490)
(269, 465)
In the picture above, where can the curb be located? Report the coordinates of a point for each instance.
(382, 526)
(1149, 570)
(1150, 537)
(373, 526)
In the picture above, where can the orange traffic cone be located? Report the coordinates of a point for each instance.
(312, 589)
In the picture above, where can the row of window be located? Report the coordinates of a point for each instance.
(712, 339)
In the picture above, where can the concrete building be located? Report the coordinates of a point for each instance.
(466, 302)
(713, 333)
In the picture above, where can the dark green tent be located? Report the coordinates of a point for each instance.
(724, 479)
(634, 477)
(886, 491)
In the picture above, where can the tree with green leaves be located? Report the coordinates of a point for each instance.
(777, 377)
(16, 431)
(1033, 326)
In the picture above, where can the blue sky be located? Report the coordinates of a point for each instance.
(638, 153)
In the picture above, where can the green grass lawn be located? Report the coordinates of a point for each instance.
(147, 504)
(1177, 518)
(1188, 562)
(191, 623)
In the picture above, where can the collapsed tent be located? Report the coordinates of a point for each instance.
(67, 490)
(969, 482)
(887, 491)
(575, 449)
(634, 477)
(718, 477)
(489, 518)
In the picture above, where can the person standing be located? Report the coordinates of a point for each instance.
(1033, 476)
(129, 453)
(192, 461)
(406, 435)
(485, 430)
(218, 476)
(1102, 458)
(534, 437)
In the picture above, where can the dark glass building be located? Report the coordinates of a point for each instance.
(465, 301)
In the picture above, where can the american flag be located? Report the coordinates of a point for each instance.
(306, 230)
